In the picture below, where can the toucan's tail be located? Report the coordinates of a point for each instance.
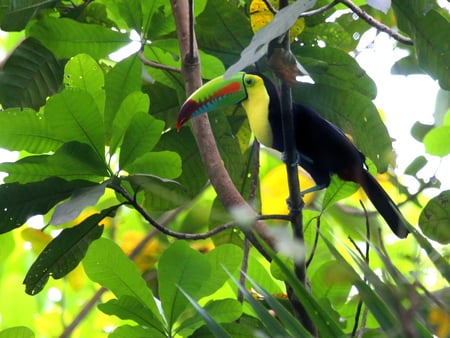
(384, 204)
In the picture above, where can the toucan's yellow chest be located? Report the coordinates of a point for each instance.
(257, 109)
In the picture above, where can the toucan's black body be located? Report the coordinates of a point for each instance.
(325, 150)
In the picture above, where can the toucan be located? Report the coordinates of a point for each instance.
(323, 149)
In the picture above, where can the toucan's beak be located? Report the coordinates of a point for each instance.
(215, 94)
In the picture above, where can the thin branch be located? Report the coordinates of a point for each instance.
(375, 23)
(366, 259)
(319, 10)
(157, 65)
(315, 243)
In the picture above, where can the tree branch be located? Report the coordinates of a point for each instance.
(157, 65)
(212, 161)
(375, 23)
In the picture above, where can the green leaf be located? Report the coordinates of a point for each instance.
(136, 102)
(213, 325)
(338, 190)
(219, 311)
(273, 326)
(80, 199)
(417, 164)
(435, 218)
(224, 257)
(64, 252)
(83, 72)
(160, 194)
(72, 161)
(290, 323)
(29, 76)
(17, 332)
(127, 331)
(66, 37)
(436, 141)
(217, 31)
(429, 33)
(20, 13)
(122, 80)
(355, 114)
(129, 307)
(26, 130)
(21, 201)
(73, 115)
(334, 67)
(106, 264)
(180, 267)
(165, 164)
(258, 47)
(327, 326)
(333, 282)
(140, 138)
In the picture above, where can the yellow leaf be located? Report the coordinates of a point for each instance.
(37, 238)
(275, 190)
(441, 319)
(260, 16)
(148, 256)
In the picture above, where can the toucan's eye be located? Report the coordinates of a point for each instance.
(249, 81)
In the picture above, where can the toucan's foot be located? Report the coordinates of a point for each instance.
(312, 189)
(295, 163)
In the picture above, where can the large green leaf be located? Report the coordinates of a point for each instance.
(160, 194)
(72, 161)
(17, 332)
(83, 72)
(165, 164)
(140, 137)
(435, 218)
(73, 115)
(26, 130)
(180, 267)
(216, 329)
(336, 68)
(129, 307)
(429, 32)
(122, 80)
(21, 201)
(220, 311)
(80, 199)
(20, 12)
(224, 257)
(64, 252)
(66, 37)
(354, 113)
(223, 30)
(29, 76)
(106, 264)
(193, 177)
(127, 331)
(134, 103)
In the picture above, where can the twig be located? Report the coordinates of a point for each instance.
(366, 259)
(319, 10)
(375, 23)
(316, 241)
(157, 65)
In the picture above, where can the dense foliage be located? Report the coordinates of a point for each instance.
(95, 152)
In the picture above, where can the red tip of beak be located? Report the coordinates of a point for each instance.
(185, 113)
